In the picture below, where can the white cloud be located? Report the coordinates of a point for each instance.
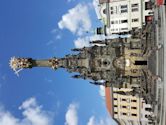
(102, 91)
(96, 7)
(82, 42)
(102, 121)
(103, 37)
(71, 115)
(58, 36)
(32, 115)
(50, 42)
(7, 119)
(97, 37)
(77, 20)
(91, 121)
(70, 1)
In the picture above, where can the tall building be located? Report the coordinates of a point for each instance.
(127, 109)
(121, 16)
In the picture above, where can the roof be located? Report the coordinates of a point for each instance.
(109, 100)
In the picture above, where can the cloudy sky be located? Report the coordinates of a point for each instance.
(41, 96)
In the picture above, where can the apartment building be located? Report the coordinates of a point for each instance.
(121, 16)
(127, 109)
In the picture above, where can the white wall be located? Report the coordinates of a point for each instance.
(116, 15)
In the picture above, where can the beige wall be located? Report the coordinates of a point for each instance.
(126, 107)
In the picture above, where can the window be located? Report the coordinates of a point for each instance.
(134, 114)
(115, 98)
(133, 100)
(123, 106)
(124, 21)
(111, 10)
(124, 113)
(148, 6)
(123, 6)
(124, 28)
(133, 107)
(123, 99)
(115, 106)
(135, 20)
(134, 7)
(146, 116)
(148, 109)
(115, 112)
(112, 22)
(104, 11)
(140, 62)
(124, 11)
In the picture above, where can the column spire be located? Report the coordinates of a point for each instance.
(17, 64)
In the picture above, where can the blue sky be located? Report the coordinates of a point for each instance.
(42, 96)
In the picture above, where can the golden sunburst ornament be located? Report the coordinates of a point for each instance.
(15, 64)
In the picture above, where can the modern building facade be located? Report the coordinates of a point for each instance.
(121, 16)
